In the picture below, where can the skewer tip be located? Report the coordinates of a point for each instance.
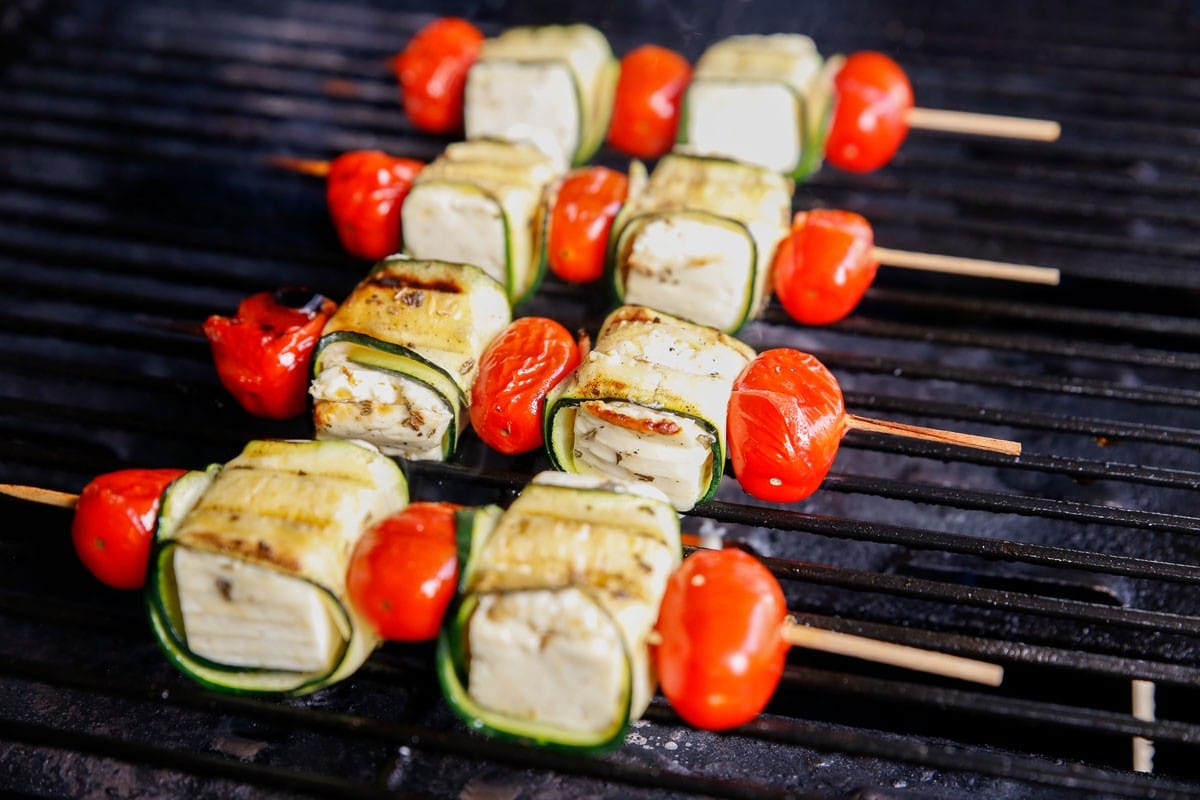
(36, 494)
(305, 166)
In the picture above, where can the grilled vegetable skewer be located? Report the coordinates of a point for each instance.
(766, 100)
(571, 586)
(695, 225)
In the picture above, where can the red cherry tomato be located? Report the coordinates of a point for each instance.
(870, 118)
(262, 354)
(824, 266)
(114, 524)
(365, 190)
(580, 221)
(786, 419)
(645, 114)
(404, 570)
(432, 72)
(517, 370)
(722, 651)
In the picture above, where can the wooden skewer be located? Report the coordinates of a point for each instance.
(974, 267)
(969, 122)
(36, 494)
(1004, 446)
(306, 166)
(899, 655)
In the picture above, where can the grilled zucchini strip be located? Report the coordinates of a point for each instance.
(697, 241)
(395, 363)
(483, 203)
(761, 100)
(560, 593)
(247, 586)
(549, 86)
(648, 404)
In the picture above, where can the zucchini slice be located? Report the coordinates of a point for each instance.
(496, 191)
(648, 404)
(547, 86)
(756, 99)
(697, 240)
(453, 659)
(819, 101)
(247, 591)
(395, 363)
(559, 591)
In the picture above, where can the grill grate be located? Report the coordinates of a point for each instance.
(134, 200)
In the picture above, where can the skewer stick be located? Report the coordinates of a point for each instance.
(1005, 446)
(969, 122)
(974, 267)
(899, 655)
(36, 494)
(305, 166)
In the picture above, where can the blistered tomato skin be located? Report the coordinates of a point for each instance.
(645, 117)
(870, 117)
(824, 266)
(263, 354)
(786, 420)
(516, 372)
(584, 208)
(365, 190)
(722, 651)
(432, 72)
(403, 572)
(114, 524)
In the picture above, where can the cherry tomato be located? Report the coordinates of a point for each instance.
(114, 524)
(365, 190)
(262, 354)
(722, 651)
(404, 570)
(786, 420)
(870, 117)
(517, 370)
(580, 221)
(824, 266)
(433, 71)
(645, 116)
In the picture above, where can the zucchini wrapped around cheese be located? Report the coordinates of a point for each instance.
(395, 363)
(697, 239)
(247, 585)
(764, 100)
(549, 86)
(483, 203)
(648, 404)
(558, 597)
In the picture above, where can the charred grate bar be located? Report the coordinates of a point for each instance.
(135, 200)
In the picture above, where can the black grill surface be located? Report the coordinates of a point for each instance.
(135, 199)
